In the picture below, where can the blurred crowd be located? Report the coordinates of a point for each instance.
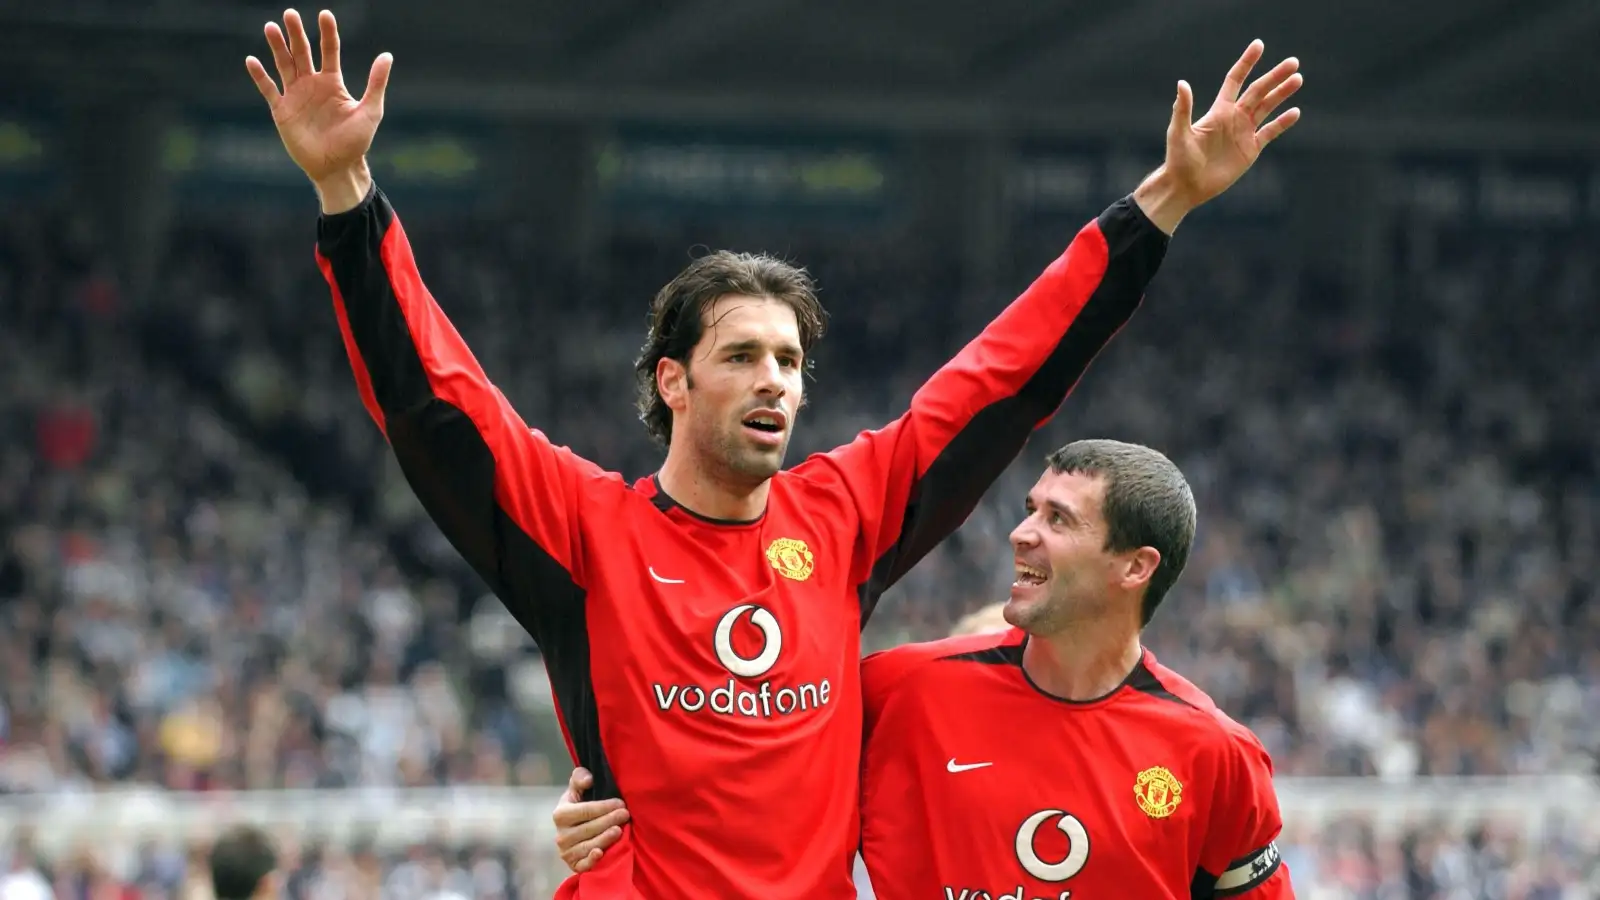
(1397, 490)
(176, 611)
(212, 576)
(1347, 859)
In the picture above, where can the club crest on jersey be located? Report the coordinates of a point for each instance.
(792, 558)
(1158, 792)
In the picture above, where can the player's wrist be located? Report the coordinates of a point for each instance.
(1163, 200)
(345, 189)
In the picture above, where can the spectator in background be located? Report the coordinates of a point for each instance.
(23, 880)
(986, 619)
(1397, 576)
(243, 865)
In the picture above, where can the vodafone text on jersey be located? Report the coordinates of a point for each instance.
(731, 698)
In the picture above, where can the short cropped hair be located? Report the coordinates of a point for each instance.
(1148, 503)
(240, 858)
(677, 317)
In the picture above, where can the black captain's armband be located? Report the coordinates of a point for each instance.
(1249, 871)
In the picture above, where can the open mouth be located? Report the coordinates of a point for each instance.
(1028, 576)
(766, 425)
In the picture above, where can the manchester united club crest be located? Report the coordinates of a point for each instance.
(1158, 792)
(791, 557)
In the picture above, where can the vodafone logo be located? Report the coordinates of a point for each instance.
(770, 633)
(1077, 846)
(1070, 865)
(744, 692)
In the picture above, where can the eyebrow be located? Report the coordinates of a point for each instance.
(1065, 512)
(753, 344)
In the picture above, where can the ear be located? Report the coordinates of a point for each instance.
(672, 381)
(1138, 567)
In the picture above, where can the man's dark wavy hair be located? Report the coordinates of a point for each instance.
(678, 317)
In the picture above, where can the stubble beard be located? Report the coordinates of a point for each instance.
(740, 463)
(1048, 615)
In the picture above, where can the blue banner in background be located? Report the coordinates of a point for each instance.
(674, 172)
(1501, 192)
(30, 154)
(1073, 182)
(696, 171)
(442, 160)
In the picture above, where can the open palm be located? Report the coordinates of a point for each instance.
(1208, 156)
(324, 128)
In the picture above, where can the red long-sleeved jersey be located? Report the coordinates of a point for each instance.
(708, 671)
(979, 785)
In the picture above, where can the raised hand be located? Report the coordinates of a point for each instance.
(1208, 156)
(326, 130)
(1205, 158)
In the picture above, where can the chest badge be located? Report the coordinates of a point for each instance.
(792, 558)
(1158, 792)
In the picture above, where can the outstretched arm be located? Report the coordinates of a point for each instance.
(915, 481)
(507, 498)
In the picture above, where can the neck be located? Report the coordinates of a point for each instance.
(1084, 662)
(694, 487)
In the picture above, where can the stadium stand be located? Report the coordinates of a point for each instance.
(206, 583)
(1394, 510)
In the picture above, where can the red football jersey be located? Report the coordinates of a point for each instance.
(979, 786)
(708, 672)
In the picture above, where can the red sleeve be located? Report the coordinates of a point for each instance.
(916, 480)
(1240, 850)
(503, 495)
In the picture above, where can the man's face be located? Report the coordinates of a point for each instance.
(1064, 573)
(740, 393)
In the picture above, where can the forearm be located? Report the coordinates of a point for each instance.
(403, 348)
(344, 190)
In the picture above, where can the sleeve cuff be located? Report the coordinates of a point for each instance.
(325, 220)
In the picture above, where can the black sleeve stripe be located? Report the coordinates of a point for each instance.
(974, 459)
(1249, 871)
(451, 468)
(352, 243)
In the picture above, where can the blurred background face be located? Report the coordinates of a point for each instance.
(741, 391)
(988, 620)
(1063, 571)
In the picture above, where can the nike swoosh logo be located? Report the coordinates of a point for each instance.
(664, 580)
(953, 766)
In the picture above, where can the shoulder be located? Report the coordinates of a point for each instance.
(908, 656)
(816, 486)
(819, 473)
(1216, 731)
(586, 471)
(1237, 763)
(886, 669)
(846, 463)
